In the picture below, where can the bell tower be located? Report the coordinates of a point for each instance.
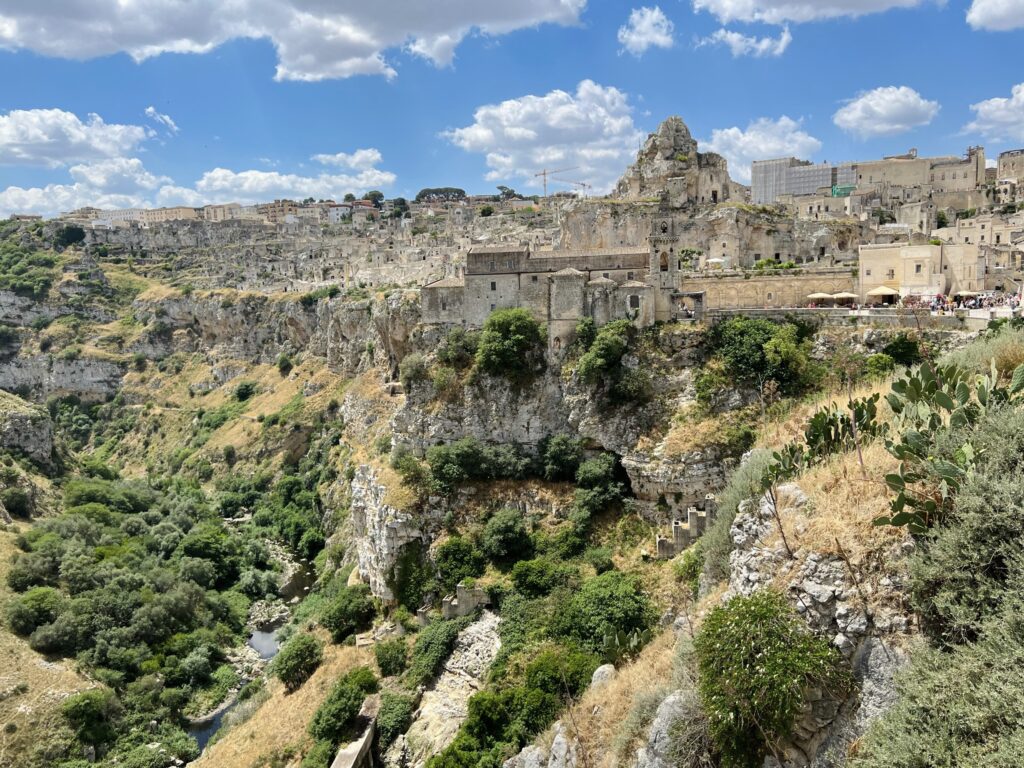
(664, 257)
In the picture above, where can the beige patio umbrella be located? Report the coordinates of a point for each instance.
(820, 296)
(844, 295)
(883, 292)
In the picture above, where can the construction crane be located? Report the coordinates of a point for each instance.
(547, 172)
(581, 185)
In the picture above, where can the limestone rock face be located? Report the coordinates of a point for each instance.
(656, 752)
(89, 379)
(25, 428)
(823, 591)
(380, 531)
(444, 705)
(669, 167)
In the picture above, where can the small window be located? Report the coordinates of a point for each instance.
(494, 286)
(770, 295)
(492, 307)
(629, 275)
(604, 275)
(533, 278)
(444, 305)
(917, 269)
(634, 302)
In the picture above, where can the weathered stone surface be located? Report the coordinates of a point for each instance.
(25, 428)
(602, 675)
(656, 752)
(43, 376)
(444, 705)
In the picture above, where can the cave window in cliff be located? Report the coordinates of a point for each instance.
(664, 262)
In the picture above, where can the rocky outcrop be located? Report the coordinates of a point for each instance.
(824, 592)
(380, 531)
(444, 706)
(26, 429)
(352, 335)
(43, 376)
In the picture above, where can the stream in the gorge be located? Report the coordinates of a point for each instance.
(265, 643)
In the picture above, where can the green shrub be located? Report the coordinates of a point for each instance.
(297, 660)
(505, 538)
(959, 708)
(688, 567)
(511, 344)
(903, 349)
(393, 718)
(458, 559)
(458, 348)
(445, 381)
(391, 657)
(16, 501)
(245, 390)
(600, 558)
(879, 366)
(284, 364)
(92, 715)
(960, 573)
(433, 646)
(756, 657)
(335, 718)
(560, 457)
(606, 351)
(605, 605)
(412, 371)
(536, 578)
(744, 483)
(756, 350)
(562, 671)
(320, 756)
(351, 611)
(38, 606)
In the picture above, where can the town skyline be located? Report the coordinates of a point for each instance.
(207, 113)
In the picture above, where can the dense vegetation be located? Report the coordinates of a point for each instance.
(144, 586)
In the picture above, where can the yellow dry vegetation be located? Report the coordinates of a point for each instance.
(596, 719)
(31, 687)
(692, 429)
(281, 721)
(790, 425)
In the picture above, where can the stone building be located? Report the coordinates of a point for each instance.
(1010, 165)
(920, 271)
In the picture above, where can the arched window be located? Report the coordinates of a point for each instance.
(664, 262)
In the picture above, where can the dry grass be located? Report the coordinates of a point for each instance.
(35, 712)
(597, 718)
(790, 426)
(694, 430)
(282, 719)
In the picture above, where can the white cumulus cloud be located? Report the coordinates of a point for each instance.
(747, 45)
(1000, 118)
(590, 131)
(996, 15)
(53, 138)
(885, 111)
(164, 120)
(646, 28)
(763, 139)
(124, 182)
(314, 39)
(361, 159)
(781, 11)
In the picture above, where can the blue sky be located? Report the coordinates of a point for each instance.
(147, 102)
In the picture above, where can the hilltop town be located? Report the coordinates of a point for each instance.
(676, 238)
(530, 482)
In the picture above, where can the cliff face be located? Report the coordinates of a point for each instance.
(25, 428)
(351, 335)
